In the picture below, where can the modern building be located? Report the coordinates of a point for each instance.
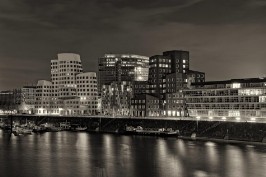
(175, 105)
(160, 66)
(140, 87)
(116, 99)
(196, 76)
(122, 67)
(70, 92)
(63, 75)
(25, 98)
(168, 74)
(229, 99)
(7, 101)
(145, 106)
(45, 103)
(179, 61)
(22, 100)
(87, 93)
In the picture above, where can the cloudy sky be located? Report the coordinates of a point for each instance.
(226, 38)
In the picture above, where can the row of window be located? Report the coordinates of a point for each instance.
(66, 66)
(89, 85)
(85, 77)
(224, 106)
(73, 70)
(87, 82)
(88, 94)
(62, 62)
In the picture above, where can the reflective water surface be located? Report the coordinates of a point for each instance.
(106, 155)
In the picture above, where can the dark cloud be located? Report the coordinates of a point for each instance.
(226, 38)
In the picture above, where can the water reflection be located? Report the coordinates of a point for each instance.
(83, 154)
(168, 162)
(211, 152)
(235, 161)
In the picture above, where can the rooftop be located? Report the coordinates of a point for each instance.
(245, 80)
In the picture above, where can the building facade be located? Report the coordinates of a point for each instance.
(145, 106)
(87, 92)
(25, 98)
(168, 74)
(175, 105)
(7, 101)
(63, 75)
(70, 92)
(122, 67)
(116, 99)
(22, 100)
(45, 103)
(196, 76)
(230, 99)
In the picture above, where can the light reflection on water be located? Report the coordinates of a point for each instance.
(83, 154)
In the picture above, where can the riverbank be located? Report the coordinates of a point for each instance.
(222, 131)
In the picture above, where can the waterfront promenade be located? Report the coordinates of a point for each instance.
(224, 119)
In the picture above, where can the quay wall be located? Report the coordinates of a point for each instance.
(240, 131)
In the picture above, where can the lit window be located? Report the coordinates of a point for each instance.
(236, 85)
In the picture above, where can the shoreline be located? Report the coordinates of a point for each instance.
(205, 139)
(216, 131)
(202, 139)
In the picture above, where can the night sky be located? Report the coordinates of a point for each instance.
(226, 38)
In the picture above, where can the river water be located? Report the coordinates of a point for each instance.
(106, 155)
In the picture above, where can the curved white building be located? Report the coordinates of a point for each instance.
(63, 74)
(71, 91)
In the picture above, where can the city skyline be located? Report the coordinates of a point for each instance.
(225, 39)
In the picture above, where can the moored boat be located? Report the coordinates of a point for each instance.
(79, 128)
(150, 132)
(39, 129)
(21, 130)
(65, 125)
(51, 127)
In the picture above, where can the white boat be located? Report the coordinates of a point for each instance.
(51, 127)
(79, 128)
